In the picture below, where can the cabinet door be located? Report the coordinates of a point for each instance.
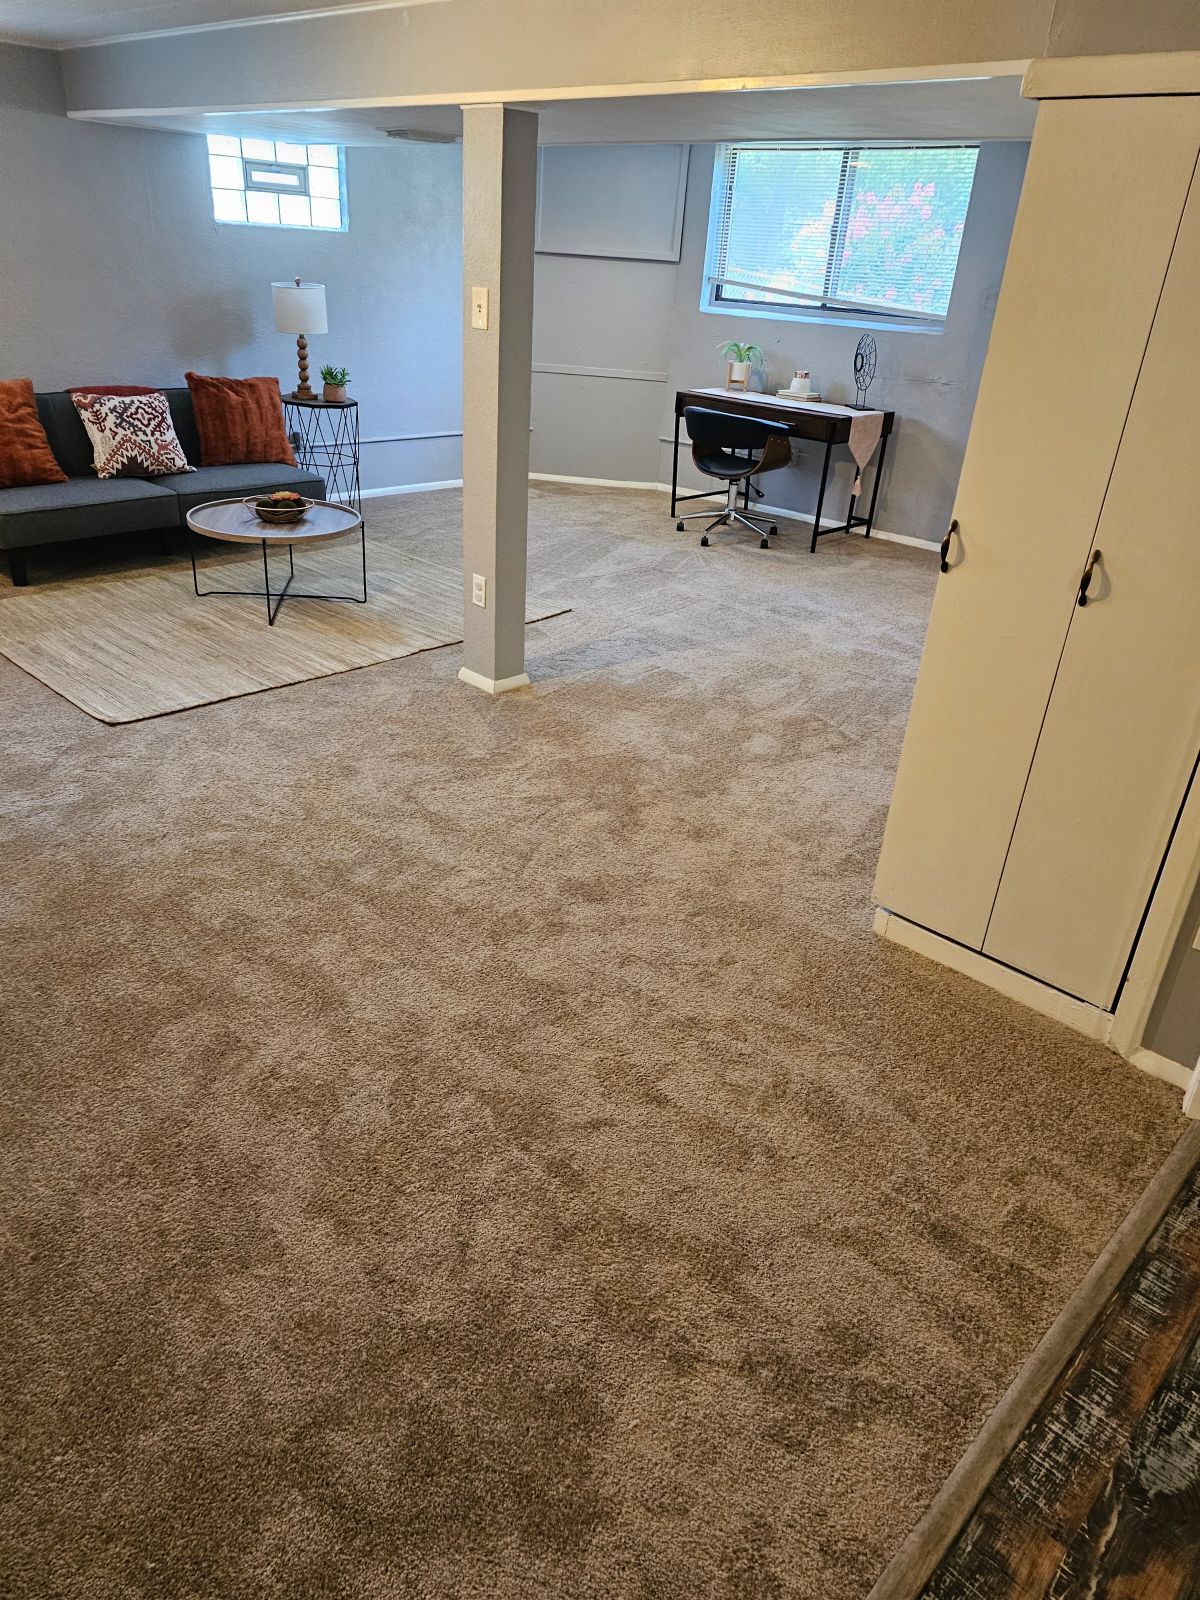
(1123, 726)
(1100, 206)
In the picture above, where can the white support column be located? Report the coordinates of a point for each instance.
(499, 199)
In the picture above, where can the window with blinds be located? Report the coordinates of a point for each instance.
(839, 228)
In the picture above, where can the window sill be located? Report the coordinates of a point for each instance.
(832, 319)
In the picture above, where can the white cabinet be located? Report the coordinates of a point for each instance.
(1050, 746)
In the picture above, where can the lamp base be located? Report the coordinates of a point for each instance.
(303, 389)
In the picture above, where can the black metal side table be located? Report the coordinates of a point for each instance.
(324, 435)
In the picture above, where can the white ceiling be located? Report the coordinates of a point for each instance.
(977, 108)
(61, 23)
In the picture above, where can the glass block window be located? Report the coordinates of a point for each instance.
(273, 183)
(838, 229)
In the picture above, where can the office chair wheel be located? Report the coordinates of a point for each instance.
(704, 539)
(763, 545)
(679, 527)
(772, 529)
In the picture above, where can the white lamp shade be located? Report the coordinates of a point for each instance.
(299, 307)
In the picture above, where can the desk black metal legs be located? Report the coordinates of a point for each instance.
(875, 486)
(816, 533)
(852, 521)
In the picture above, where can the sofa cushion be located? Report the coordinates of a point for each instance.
(83, 508)
(233, 483)
(67, 435)
(25, 453)
(239, 420)
(183, 415)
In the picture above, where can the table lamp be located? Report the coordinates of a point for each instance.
(300, 309)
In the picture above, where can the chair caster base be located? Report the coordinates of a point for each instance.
(763, 545)
(679, 527)
(772, 529)
(704, 539)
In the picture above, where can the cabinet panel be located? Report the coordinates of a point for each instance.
(1123, 726)
(1103, 194)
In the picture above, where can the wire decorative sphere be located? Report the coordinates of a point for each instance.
(864, 365)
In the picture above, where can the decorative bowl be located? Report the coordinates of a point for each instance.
(279, 510)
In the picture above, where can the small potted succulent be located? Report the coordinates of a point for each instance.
(336, 379)
(283, 506)
(739, 358)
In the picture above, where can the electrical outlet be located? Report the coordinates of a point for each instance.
(478, 589)
(479, 312)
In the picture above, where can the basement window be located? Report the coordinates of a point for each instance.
(273, 183)
(837, 233)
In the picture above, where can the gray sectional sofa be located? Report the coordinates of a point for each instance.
(87, 507)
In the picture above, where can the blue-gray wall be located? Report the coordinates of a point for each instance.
(114, 271)
(632, 332)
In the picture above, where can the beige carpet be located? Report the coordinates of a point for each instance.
(470, 1149)
(128, 644)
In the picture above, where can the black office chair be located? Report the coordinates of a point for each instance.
(735, 449)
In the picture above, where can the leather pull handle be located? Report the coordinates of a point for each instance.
(950, 532)
(1086, 580)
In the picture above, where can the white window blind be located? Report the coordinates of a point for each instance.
(845, 227)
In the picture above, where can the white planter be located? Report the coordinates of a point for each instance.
(737, 374)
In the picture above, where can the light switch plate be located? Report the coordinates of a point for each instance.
(479, 308)
(478, 589)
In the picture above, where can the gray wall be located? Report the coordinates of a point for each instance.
(632, 332)
(1174, 1027)
(606, 320)
(114, 271)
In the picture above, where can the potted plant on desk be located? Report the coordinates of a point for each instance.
(739, 359)
(335, 379)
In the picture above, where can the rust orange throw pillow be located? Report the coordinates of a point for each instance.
(239, 419)
(25, 453)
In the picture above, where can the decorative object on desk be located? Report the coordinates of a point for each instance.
(739, 360)
(300, 309)
(282, 507)
(813, 397)
(864, 368)
(801, 384)
(335, 380)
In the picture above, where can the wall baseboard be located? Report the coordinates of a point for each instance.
(1162, 1067)
(519, 680)
(413, 488)
(596, 483)
(1040, 997)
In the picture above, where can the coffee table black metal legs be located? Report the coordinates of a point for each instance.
(276, 598)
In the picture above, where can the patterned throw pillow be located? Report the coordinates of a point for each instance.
(132, 434)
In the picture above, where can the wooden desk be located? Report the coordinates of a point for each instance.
(825, 424)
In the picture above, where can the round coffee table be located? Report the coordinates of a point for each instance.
(234, 522)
